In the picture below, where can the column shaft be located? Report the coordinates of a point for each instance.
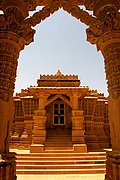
(9, 53)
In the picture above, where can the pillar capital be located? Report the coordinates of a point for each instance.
(106, 35)
(101, 29)
(20, 6)
(102, 8)
(13, 20)
(74, 100)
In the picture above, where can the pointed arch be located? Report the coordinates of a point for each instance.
(73, 10)
(58, 96)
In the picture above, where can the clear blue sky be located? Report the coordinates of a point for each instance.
(60, 43)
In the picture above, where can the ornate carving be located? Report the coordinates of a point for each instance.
(101, 8)
(74, 10)
(89, 4)
(19, 7)
(12, 20)
(99, 28)
(31, 4)
(112, 67)
(8, 65)
(54, 6)
(10, 46)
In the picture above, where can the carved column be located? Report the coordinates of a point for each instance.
(111, 53)
(78, 131)
(10, 47)
(77, 126)
(39, 127)
(13, 37)
(106, 35)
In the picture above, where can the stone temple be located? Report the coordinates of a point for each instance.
(53, 105)
(59, 105)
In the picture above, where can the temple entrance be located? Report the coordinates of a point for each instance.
(58, 115)
(58, 125)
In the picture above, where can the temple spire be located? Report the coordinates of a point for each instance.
(59, 73)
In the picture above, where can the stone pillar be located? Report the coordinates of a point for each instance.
(90, 135)
(113, 166)
(77, 125)
(106, 35)
(102, 138)
(111, 54)
(13, 37)
(9, 53)
(10, 47)
(39, 129)
(8, 167)
(29, 127)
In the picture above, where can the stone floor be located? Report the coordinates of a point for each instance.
(61, 177)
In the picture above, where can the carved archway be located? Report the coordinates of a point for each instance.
(103, 30)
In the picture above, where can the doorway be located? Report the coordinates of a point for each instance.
(59, 114)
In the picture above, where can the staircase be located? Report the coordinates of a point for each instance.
(58, 139)
(61, 163)
(59, 158)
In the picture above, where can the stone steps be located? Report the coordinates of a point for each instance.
(61, 163)
(61, 145)
(57, 139)
(82, 155)
(58, 149)
(61, 158)
(62, 171)
(60, 166)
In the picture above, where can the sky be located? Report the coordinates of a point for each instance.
(60, 43)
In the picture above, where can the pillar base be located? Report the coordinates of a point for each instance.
(36, 148)
(78, 136)
(39, 136)
(92, 142)
(113, 165)
(8, 167)
(80, 148)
